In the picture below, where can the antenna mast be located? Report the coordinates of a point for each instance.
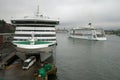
(37, 13)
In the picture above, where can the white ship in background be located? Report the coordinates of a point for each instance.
(89, 33)
(34, 34)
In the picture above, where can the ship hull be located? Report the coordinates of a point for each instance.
(89, 38)
(35, 50)
(43, 51)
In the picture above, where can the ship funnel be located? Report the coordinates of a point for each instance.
(90, 24)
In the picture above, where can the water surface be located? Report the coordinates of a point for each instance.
(88, 60)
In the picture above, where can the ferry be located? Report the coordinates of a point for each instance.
(88, 32)
(34, 34)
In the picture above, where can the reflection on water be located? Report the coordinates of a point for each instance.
(88, 60)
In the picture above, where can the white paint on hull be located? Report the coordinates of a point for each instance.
(88, 37)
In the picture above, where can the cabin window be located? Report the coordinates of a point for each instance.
(94, 36)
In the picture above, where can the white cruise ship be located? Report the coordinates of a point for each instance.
(34, 34)
(88, 32)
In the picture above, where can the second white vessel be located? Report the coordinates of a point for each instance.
(89, 33)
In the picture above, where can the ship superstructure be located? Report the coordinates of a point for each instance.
(34, 32)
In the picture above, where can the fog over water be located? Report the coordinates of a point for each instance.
(102, 13)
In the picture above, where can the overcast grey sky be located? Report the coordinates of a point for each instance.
(102, 13)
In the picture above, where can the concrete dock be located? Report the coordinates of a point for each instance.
(15, 71)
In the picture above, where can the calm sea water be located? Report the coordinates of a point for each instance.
(88, 60)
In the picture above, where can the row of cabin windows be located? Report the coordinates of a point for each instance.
(37, 40)
(29, 25)
(35, 22)
(38, 30)
(36, 35)
(82, 34)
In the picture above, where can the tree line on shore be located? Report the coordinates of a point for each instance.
(116, 32)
